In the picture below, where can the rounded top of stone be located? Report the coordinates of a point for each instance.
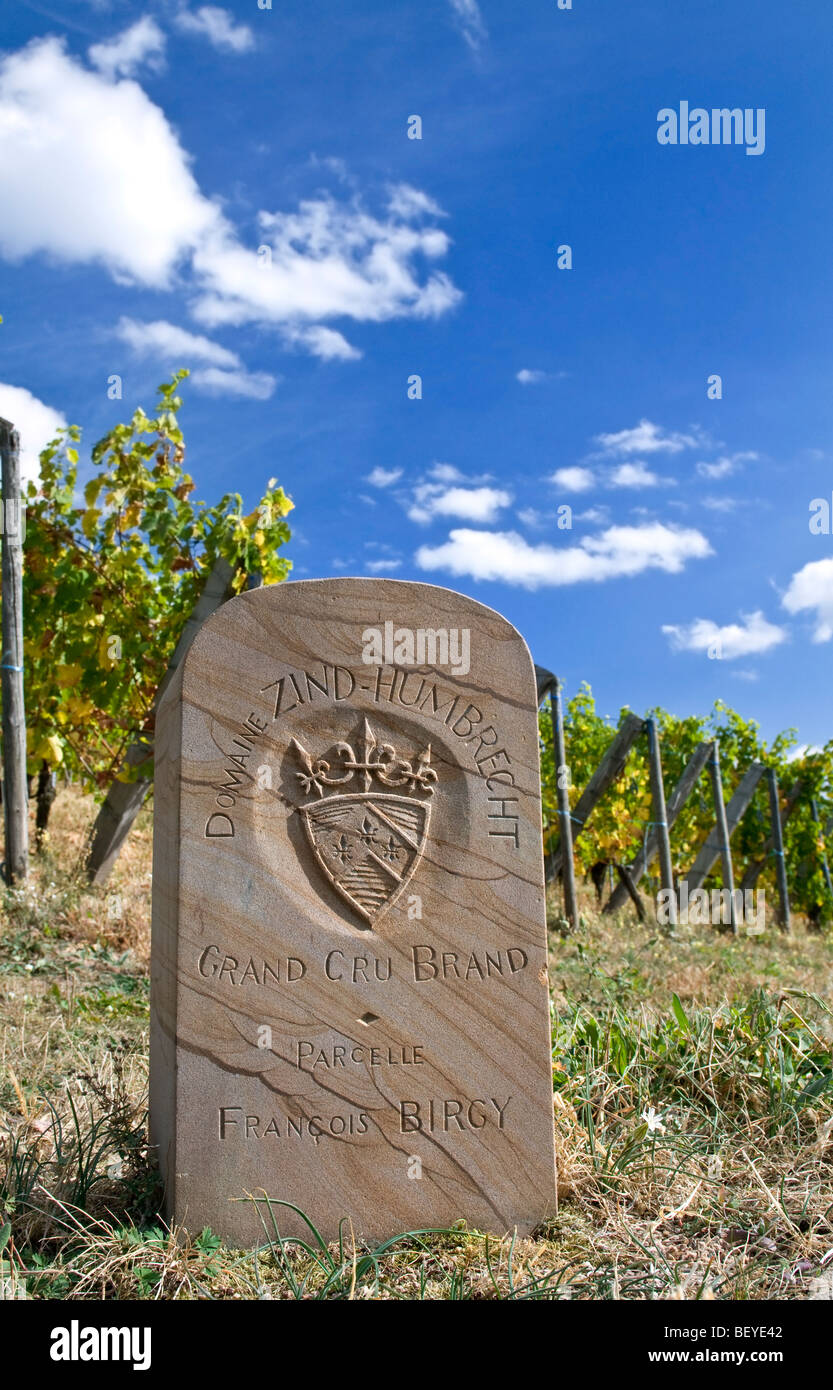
(364, 603)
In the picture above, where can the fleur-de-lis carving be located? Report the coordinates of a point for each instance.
(377, 760)
(315, 773)
(342, 850)
(368, 835)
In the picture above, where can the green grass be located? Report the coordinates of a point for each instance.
(693, 1094)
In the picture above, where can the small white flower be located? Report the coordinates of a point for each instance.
(653, 1121)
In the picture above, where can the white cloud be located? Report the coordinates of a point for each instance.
(748, 638)
(380, 566)
(35, 422)
(530, 376)
(218, 26)
(409, 203)
(79, 153)
(384, 477)
(223, 373)
(635, 475)
(721, 504)
(176, 345)
(812, 588)
(447, 473)
(470, 22)
(328, 259)
(720, 469)
(574, 479)
(469, 503)
(803, 750)
(727, 465)
(123, 55)
(581, 479)
(326, 343)
(257, 386)
(532, 517)
(619, 551)
(645, 438)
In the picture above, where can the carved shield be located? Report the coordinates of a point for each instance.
(367, 846)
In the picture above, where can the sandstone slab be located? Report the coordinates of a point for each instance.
(349, 968)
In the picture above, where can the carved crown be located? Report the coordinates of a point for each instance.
(378, 761)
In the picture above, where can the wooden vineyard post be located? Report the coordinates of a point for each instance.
(610, 767)
(666, 872)
(649, 848)
(756, 868)
(723, 835)
(712, 848)
(562, 791)
(814, 812)
(15, 784)
(545, 681)
(778, 851)
(627, 886)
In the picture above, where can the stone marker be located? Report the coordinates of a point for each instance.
(349, 978)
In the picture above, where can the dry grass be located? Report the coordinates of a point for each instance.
(695, 1137)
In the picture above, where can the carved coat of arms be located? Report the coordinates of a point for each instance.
(367, 842)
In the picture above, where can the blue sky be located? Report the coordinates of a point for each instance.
(149, 151)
